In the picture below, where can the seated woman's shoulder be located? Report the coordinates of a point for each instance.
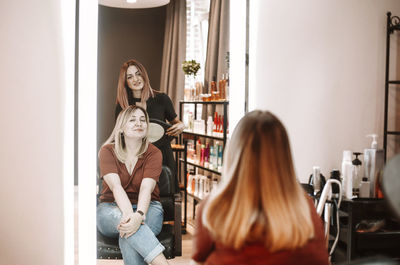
(153, 151)
(107, 146)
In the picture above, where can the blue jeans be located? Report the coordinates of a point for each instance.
(141, 247)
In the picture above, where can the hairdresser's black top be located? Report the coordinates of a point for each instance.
(159, 107)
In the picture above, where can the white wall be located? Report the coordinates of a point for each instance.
(31, 117)
(319, 65)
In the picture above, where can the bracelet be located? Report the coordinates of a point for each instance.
(140, 212)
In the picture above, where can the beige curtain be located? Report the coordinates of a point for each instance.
(218, 41)
(172, 77)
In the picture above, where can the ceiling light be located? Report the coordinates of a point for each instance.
(133, 3)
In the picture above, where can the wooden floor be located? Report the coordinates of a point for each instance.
(183, 260)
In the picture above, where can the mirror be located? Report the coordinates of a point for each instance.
(87, 110)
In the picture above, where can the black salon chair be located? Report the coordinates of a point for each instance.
(170, 236)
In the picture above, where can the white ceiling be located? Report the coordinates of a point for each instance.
(138, 4)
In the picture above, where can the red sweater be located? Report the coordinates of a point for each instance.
(209, 252)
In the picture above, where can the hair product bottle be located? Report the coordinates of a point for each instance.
(358, 173)
(347, 175)
(335, 174)
(219, 161)
(364, 188)
(210, 125)
(373, 163)
(316, 179)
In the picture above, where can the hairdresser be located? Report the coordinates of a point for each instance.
(259, 214)
(134, 89)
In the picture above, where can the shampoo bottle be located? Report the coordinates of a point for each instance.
(209, 125)
(316, 179)
(211, 159)
(364, 188)
(347, 175)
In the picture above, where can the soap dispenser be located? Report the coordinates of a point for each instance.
(373, 163)
(358, 173)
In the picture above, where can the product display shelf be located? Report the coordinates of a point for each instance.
(393, 25)
(187, 134)
(197, 198)
(201, 167)
(205, 102)
(354, 244)
(204, 135)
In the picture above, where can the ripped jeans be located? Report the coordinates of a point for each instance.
(141, 247)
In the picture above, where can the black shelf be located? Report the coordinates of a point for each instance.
(197, 165)
(204, 135)
(354, 243)
(395, 27)
(394, 133)
(395, 82)
(194, 197)
(204, 102)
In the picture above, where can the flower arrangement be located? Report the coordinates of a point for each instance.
(190, 67)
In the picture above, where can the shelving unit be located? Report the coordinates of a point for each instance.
(183, 140)
(393, 25)
(354, 244)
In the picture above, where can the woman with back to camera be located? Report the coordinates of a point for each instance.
(130, 205)
(134, 89)
(259, 214)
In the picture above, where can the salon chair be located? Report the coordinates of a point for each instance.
(170, 236)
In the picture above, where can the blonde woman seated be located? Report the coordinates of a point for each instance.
(260, 213)
(130, 205)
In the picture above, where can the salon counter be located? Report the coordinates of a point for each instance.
(367, 228)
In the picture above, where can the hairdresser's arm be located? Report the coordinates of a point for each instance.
(176, 128)
(114, 183)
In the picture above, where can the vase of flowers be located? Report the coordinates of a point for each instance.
(190, 68)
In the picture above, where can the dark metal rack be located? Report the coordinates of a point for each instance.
(183, 141)
(393, 25)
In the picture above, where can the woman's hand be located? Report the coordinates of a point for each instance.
(176, 129)
(129, 224)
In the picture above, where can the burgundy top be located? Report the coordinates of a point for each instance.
(147, 166)
(209, 252)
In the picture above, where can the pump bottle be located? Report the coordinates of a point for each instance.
(358, 173)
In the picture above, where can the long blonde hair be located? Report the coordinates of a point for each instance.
(124, 92)
(117, 136)
(259, 199)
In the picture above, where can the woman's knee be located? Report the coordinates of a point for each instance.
(108, 218)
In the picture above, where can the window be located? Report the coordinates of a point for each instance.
(197, 13)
